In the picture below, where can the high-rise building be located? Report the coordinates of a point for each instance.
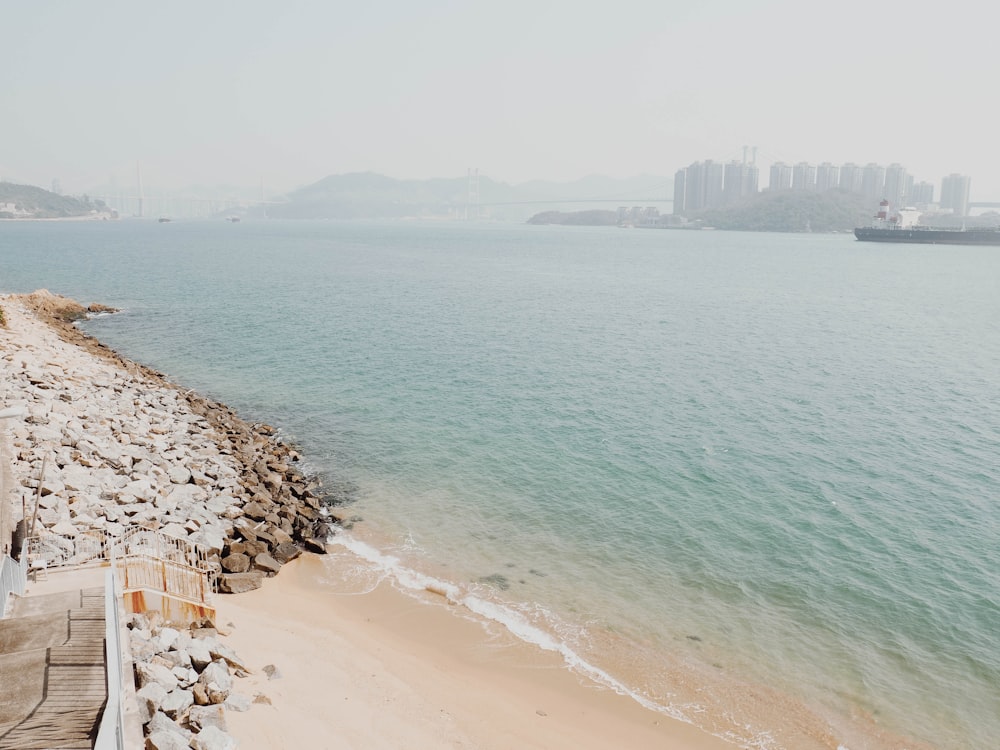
(895, 185)
(732, 184)
(781, 176)
(694, 190)
(803, 176)
(751, 180)
(955, 193)
(850, 178)
(922, 194)
(739, 181)
(827, 177)
(714, 175)
(680, 186)
(873, 181)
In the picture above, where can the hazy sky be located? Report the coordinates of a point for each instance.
(289, 91)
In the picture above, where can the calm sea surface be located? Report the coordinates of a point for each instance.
(751, 479)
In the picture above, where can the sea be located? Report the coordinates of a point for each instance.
(751, 480)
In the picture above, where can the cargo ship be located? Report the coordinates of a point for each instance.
(899, 229)
(930, 235)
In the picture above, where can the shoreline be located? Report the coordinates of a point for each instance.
(385, 669)
(494, 690)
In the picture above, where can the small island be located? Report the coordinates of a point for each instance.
(30, 202)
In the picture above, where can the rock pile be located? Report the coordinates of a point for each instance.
(184, 681)
(115, 444)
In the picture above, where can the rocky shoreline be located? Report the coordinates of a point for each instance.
(116, 444)
(104, 444)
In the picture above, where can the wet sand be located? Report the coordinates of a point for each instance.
(385, 670)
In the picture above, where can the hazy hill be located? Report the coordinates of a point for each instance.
(30, 202)
(594, 217)
(370, 195)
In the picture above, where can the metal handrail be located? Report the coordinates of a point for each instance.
(149, 559)
(144, 571)
(13, 577)
(69, 551)
(111, 733)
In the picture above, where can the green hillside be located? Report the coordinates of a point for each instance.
(30, 202)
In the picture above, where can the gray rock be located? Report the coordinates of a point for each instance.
(266, 563)
(163, 723)
(186, 677)
(177, 702)
(199, 654)
(164, 739)
(272, 672)
(237, 563)
(212, 738)
(186, 494)
(238, 702)
(217, 673)
(148, 672)
(286, 552)
(176, 530)
(207, 716)
(179, 475)
(237, 583)
(142, 649)
(149, 698)
(221, 651)
(166, 638)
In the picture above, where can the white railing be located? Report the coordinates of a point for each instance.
(147, 559)
(58, 551)
(13, 578)
(139, 572)
(111, 733)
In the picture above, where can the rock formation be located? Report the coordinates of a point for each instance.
(107, 443)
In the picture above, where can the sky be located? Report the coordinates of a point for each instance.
(286, 92)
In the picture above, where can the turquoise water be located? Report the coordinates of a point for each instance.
(749, 478)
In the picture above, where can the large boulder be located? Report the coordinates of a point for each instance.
(164, 739)
(147, 672)
(286, 552)
(217, 674)
(237, 583)
(149, 698)
(236, 563)
(266, 563)
(176, 703)
(212, 738)
(201, 717)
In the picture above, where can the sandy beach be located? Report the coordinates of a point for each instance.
(382, 669)
(386, 670)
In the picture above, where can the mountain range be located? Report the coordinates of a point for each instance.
(368, 195)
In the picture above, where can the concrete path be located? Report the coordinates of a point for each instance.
(52, 661)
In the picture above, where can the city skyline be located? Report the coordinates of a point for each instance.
(711, 184)
(288, 94)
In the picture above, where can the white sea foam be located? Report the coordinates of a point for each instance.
(516, 623)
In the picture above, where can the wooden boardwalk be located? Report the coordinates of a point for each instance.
(52, 659)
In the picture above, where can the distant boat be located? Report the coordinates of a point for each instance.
(896, 228)
(233, 219)
(164, 220)
(929, 236)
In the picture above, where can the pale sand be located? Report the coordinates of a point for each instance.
(384, 670)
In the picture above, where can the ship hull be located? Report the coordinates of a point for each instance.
(919, 236)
